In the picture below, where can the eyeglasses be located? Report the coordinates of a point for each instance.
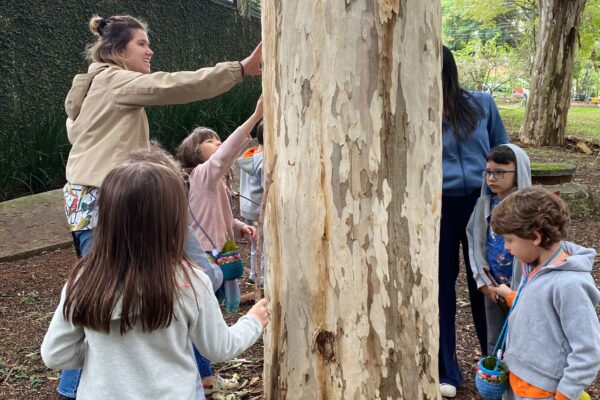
(496, 173)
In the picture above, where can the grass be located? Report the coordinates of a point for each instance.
(581, 121)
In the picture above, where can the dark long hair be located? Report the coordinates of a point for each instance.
(462, 111)
(137, 251)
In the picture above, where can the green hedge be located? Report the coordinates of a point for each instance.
(41, 49)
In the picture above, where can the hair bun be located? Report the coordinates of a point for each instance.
(97, 25)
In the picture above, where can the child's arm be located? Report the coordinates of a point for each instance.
(223, 159)
(243, 229)
(64, 344)
(575, 304)
(476, 238)
(211, 335)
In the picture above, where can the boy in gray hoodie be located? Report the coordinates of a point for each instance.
(553, 340)
(506, 169)
(251, 193)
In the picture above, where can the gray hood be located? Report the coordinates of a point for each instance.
(580, 258)
(523, 170)
(478, 223)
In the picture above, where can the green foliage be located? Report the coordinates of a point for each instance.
(484, 64)
(582, 121)
(41, 49)
(509, 25)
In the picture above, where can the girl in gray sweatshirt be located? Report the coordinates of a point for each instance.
(130, 324)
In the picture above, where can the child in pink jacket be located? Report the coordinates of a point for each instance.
(210, 199)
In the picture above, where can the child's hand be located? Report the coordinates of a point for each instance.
(488, 292)
(261, 312)
(251, 64)
(250, 231)
(259, 108)
(502, 290)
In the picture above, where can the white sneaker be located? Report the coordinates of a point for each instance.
(448, 390)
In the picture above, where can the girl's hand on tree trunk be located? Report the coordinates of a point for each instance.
(259, 108)
(261, 312)
(249, 230)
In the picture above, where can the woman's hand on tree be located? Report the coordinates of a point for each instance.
(251, 64)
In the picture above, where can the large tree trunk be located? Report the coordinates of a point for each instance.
(552, 72)
(353, 117)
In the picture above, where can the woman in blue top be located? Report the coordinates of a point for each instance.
(471, 126)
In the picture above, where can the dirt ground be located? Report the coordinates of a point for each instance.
(30, 289)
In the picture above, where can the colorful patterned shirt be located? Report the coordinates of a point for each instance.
(498, 257)
(81, 206)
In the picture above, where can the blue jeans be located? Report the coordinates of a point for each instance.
(69, 378)
(204, 366)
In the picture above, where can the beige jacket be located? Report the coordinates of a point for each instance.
(106, 117)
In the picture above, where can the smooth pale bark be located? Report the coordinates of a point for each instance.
(552, 72)
(353, 114)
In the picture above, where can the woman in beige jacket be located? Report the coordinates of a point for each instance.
(106, 117)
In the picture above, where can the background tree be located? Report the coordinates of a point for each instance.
(551, 76)
(551, 30)
(353, 116)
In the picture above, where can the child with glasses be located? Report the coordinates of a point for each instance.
(506, 169)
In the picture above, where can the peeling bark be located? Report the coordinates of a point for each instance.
(552, 72)
(353, 113)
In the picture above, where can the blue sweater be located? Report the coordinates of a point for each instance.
(463, 162)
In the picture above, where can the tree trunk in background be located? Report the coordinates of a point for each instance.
(552, 72)
(353, 113)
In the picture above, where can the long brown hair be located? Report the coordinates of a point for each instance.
(462, 111)
(137, 252)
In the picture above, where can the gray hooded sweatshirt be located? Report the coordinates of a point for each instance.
(251, 183)
(155, 365)
(477, 228)
(553, 332)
